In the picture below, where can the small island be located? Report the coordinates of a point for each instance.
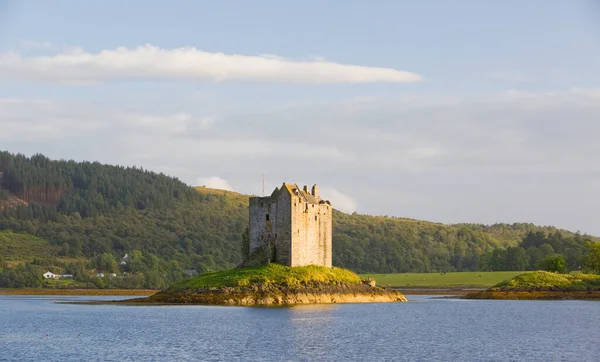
(287, 260)
(274, 284)
(543, 285)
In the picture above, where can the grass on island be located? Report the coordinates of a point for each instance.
(269, 274)
(543, 280)
(454, 280)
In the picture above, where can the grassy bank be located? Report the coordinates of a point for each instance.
(458, 280)
(48, 291)
(268, 275)
(547, 281)
(544, 285)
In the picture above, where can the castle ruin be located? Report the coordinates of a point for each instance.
(291, 227)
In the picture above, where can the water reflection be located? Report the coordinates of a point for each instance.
(310, 329)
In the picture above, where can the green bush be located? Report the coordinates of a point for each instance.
(553, 263)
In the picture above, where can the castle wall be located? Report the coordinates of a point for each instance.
(326, 234)
(300, 232)
(284, 231)
(274, 231)
(259, 207)
(311, 231)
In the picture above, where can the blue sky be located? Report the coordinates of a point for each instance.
(455, 112)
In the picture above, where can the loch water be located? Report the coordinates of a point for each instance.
(42, 328)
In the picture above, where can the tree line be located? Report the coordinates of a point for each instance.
(84, 210)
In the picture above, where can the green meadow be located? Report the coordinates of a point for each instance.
(457, 280)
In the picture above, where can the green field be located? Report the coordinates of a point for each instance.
(443, 280)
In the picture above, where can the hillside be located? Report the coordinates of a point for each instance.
(90, 211)
(390, 244)
(14, 246)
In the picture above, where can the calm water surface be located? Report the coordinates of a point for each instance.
(427, 329)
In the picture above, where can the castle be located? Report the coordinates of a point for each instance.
(291, 227)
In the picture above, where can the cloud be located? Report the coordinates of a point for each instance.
(53, 120)
(214, 182)
(76, 66)
(338, 200)
(177, 123)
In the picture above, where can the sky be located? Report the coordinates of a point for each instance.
(450, 112)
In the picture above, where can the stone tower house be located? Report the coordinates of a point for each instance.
(291, 227)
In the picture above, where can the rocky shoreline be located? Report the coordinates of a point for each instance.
(274, 295)
(535, 295)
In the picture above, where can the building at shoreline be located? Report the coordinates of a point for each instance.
(292, 227)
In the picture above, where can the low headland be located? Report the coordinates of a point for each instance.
(543, 285)
(272, 285)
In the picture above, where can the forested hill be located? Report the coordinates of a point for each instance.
(98, 213)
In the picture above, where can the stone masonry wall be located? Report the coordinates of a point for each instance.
(311, 231)
(326, 233)
(300, 232)
(275, 230)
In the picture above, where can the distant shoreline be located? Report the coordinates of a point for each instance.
(438, 291)
(74, 292)
(536, 295)
(149, 292)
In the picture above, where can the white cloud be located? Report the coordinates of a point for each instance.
(338, 200)
(43, 119)
(75, 66)
(177, 123)
(214, 182)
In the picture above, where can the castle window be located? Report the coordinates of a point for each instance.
(315, 217)
(267, 217)
(275, 236)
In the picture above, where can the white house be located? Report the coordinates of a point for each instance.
(49, 275)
